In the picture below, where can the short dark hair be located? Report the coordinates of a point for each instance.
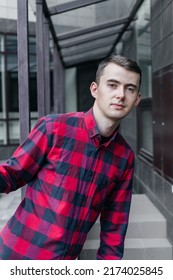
(122, 61)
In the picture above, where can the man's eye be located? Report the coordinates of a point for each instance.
(131, 89)
(112, 85)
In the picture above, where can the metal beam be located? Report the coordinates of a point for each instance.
(131, 18)
(88, 54)
(58, 83)
(51, 26)
(95, 28)
(62, 8)
(76, 61)
(85, 49)
(46, 65)
(43, 62)
(23, 71)
(41, 102)
(23, 68)
(102, 35)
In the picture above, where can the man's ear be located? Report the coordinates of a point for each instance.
(93, 89)
(138, 99)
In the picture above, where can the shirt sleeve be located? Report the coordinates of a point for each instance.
(26, 160)
(115, 215)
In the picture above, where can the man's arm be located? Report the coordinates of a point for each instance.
(26, 160)
(115, 215)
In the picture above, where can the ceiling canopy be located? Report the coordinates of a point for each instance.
(87, 30)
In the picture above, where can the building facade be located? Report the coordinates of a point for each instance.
(150, 132)
(148, 129)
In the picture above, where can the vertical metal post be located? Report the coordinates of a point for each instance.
(61, 86)
(40, 58)
(55, 80)
(58, 82)
(23, 68)
(46, 65)
(43, 73)
(23, 71)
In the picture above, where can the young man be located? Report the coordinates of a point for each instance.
(76, 166)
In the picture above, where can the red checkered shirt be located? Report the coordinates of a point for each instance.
(72, 178)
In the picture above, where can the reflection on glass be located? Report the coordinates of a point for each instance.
(147, 142)
(11, 43)
(143, 25)
(1, 43)
(144, 47)
(14, 132)
(33, 76)
(2, 88)
(9, 99)
(12, 81)
(3, 134)
(12, 93)
(32, 45)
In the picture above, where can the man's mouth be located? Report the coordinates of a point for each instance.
(118, 106)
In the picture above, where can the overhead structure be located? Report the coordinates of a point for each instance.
(76, 31)
(86, 30)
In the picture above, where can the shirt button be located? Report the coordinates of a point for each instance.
(90, 173)
(98, 138)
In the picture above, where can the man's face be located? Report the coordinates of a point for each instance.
(117, 92)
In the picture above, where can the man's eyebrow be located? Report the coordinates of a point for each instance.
(113, 81)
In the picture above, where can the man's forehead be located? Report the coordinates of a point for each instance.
(113, 70)
(116, 73)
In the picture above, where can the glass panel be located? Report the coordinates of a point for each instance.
(143, 25)
(12, 82)
(1, 43)
(14, 132)
(12, 93)
(144, 47)
(31, 13)
(32, 45)
(11, 43)
(3, 134)
(146, 129)
(34, 118)
(2, 88)
(90, 15)
(33, 92)
(33, 76)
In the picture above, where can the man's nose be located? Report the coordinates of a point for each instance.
(120, 93)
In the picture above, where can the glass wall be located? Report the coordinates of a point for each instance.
(3, 123)
(143, 27)
(9, 107)
(12, 89)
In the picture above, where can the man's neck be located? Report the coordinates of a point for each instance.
(105, 126)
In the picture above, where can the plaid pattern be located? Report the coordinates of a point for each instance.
(71, 179)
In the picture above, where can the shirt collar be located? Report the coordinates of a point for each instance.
(91, 123)
(92, 126)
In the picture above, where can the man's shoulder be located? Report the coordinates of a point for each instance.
(56, 121)
(63, 117)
